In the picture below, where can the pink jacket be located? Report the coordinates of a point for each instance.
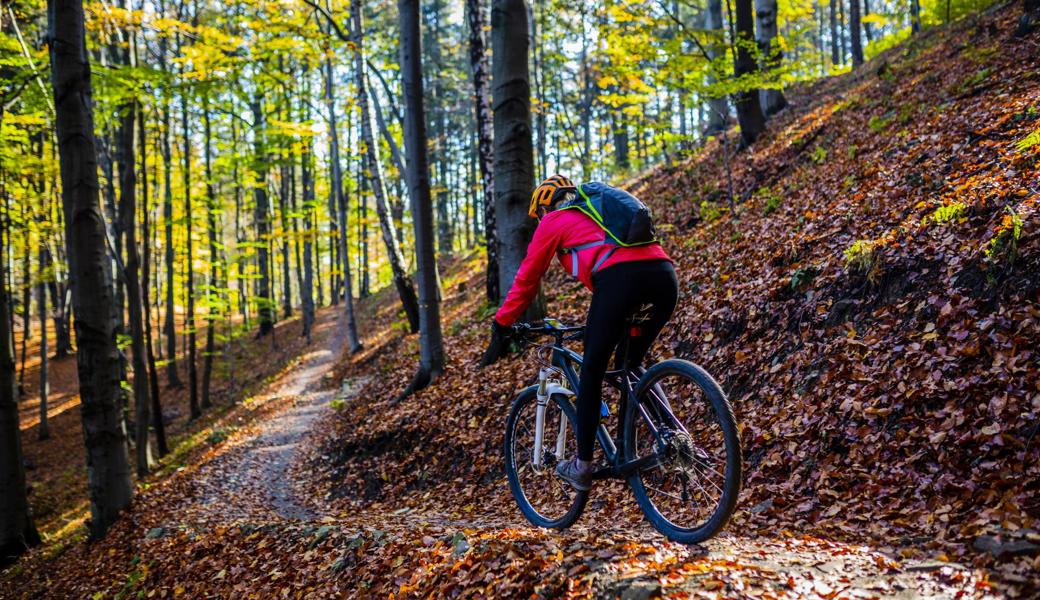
(559, 231)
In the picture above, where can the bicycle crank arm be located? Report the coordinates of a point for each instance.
(605, 473)
(640, 464)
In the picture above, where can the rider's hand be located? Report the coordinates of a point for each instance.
(498, 346)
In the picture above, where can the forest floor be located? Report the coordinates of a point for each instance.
(242, 521)
(864, 282)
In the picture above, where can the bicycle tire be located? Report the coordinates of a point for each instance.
(723, 411)
(525, 400)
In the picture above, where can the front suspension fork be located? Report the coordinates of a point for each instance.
(542, 394)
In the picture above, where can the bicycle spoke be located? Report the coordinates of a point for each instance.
(687, 487)
(710, 479)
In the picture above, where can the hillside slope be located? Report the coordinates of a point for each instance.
(879, 346)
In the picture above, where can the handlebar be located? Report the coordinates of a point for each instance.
(550, 326)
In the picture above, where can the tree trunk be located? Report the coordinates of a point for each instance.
(173, 379)
(749, 111)
(26, 296)
(402, 281)
(212, 208)
(915, 16)
(17, 532)
(58, 291)
(843, 32)
(294, 221)
(43, 430)
(335, 189)
(307, 182)
(97, 357)
(243, 301)
(153, 375)
(620, 131)
(586, 110)
(868, 29)
(189, 317)
(431, 347)
(283, 199)
(514, 160)
(835, 56)
(397, 207)
(263, 223)
(855, 36)
(127, 214)
(718, 107)
(765, 17)
(126, 157)
(45, 274)
(335, 202)
(362, 243)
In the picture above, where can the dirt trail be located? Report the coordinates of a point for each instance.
(253, 481)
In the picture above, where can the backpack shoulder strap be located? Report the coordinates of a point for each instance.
(576, 249)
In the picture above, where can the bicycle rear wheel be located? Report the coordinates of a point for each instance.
(691, 491)
(545, 499)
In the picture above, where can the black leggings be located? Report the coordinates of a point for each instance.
(620, 291)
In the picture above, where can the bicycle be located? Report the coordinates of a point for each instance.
(672, 471)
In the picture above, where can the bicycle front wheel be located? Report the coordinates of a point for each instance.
(683, 422)
(545, 499)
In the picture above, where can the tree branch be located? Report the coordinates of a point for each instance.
(328, 17)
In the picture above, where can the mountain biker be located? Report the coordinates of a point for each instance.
(622, 280)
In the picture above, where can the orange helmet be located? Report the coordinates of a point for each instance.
(546, 190)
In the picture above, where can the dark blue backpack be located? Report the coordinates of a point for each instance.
(625, 220)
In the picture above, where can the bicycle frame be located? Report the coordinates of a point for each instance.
(564, 360)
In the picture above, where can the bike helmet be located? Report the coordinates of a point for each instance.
(546, 191)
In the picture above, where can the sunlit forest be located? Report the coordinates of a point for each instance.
(252, 250)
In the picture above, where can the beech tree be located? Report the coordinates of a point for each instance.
(97, 357)
(514, 151)
(431, 345)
